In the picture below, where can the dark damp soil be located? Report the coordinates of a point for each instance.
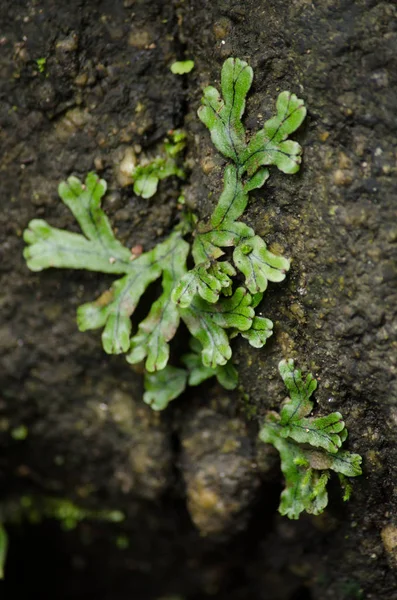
(104, 87)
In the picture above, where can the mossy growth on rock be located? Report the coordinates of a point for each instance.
(215, 303)
(309, 447)
(147, 174)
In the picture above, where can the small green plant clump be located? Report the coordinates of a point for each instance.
(309, 447)
(3, 549)
(146, 176)
(182, 67)
(213, 303)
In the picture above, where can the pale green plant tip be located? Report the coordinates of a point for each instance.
(309, 447)
(145, 185)
(260, 330)
(116, 516)
(182, 67)
(346, 486)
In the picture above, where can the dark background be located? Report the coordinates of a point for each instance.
(106, 87)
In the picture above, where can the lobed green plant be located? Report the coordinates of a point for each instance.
(309, 447)
(210, 298)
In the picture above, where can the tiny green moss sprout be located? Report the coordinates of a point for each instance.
(35, 509)
(230, 265)
(122, 542)
(309, 447)
(147, 174)
(41, 64)
(181, 67)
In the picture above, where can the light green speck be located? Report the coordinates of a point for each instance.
(122, 542)
(19, 433)
(181, 67)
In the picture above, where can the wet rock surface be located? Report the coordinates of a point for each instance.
(105, 88)
(219, 469)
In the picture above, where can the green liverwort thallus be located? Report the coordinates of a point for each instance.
(206, 297)
(309, 447)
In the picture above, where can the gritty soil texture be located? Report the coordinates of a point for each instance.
(199, 493)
